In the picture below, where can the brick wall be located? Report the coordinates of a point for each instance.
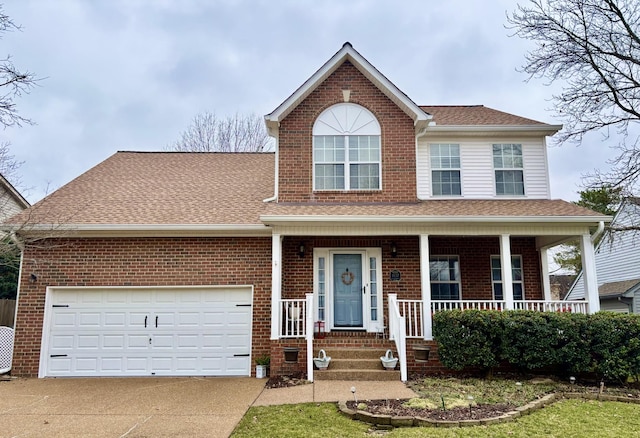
(474, 253)
(398, 143)
(140, 262)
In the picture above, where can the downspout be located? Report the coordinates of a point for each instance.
(598, 232)
(277, 165)
(422, 132)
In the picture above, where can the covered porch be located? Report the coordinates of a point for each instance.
(388, 279)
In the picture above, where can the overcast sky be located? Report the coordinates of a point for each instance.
(130, 75)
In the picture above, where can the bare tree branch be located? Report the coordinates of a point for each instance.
(593, 48)
(239, 133)
(13, 82)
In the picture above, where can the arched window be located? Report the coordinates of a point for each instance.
(346, 149)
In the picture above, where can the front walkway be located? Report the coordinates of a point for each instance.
(333, 391)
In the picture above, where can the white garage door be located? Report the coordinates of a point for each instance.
(191, 331)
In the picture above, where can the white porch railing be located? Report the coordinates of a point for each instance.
(553, 306)
(309, 329)
(397, 333)
(293, 317)
(412, 312)
(439, 305)
(534, 305)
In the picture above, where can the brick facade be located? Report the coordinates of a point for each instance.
(398, 143)
(140, 262)
(474, 254)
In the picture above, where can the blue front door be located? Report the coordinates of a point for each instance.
(347, 290)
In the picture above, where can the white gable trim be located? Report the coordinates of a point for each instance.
(347, 53)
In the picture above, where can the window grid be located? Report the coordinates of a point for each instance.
(444, 272)
(373, 292)
(516, 275)
(321, 288)
(508, 166)
(358, 168)
(445, 169)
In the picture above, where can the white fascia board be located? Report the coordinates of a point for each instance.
(142, 230)
(347, 52)
(493, 129)
(434, 219)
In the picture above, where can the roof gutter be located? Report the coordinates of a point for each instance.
(472, 129)
(422, 219)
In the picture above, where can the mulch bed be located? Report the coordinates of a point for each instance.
(395, 408)
(286, 381)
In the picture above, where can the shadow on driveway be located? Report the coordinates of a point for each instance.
(125, 407)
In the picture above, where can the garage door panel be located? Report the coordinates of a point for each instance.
(101, 332)
(88, 342)
(112, 341)
(140, 341)
(64, 319)
(115, 319)
(87, 319)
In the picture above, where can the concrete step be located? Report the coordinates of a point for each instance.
(356, 375)
(353, 353)
(356, 364)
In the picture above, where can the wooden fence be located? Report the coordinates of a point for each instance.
(7, 312)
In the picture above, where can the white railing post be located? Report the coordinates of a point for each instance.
(505, 264)
(397, 333)
(425, 284)
(276, 286)
(309, 329)
(589, 273)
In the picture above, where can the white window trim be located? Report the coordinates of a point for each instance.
(521, 169)
(328, 253)
(346, 119)
(459, 169)
(459, 282)
(493, 282)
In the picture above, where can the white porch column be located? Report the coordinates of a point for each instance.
(425, 284)
(276, 284)
(546, 283)
(589, 273)
(505, 266)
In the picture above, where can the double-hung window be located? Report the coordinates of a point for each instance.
(508, 167)
(445, 169)
(516, 276)
(445, 277)
(346, 149)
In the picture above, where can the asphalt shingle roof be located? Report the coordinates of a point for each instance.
(460, 115)
(163, 188)
(616, 288)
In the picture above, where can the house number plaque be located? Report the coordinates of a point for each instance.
(395, 275)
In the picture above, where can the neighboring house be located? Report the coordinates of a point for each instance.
(617, 264)
(11, 201)
(371, 210)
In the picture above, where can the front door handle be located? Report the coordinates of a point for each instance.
(145, 321)
(364, 290)
(156, 321)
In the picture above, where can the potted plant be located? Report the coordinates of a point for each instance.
(262, 365)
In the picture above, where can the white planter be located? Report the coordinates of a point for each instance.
(261, 371)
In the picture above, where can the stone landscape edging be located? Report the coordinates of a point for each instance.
(389, 421)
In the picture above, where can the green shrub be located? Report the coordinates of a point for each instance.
(469, 338)
(605, 343)
(615, 345)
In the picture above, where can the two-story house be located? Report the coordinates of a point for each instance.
(372, 214)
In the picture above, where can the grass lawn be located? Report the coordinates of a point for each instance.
(569, 418)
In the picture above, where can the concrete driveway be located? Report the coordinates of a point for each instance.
(125, 407)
